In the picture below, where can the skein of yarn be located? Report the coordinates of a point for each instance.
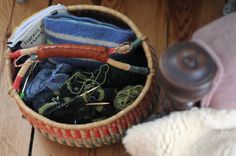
(127, 96)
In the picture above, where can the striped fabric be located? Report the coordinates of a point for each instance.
(63, 28)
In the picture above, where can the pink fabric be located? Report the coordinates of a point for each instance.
(219, 40)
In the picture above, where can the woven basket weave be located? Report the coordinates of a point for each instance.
(103, 132)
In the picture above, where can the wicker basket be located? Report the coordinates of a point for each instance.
(107, 131)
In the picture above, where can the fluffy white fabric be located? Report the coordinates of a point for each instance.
(197, 132)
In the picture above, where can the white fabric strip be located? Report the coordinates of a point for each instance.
(81, 39)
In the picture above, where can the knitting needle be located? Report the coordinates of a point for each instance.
(97, 104)
(22, 94)
(89, 91)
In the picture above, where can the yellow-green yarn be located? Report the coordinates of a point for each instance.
(46, 106)
(127, 96)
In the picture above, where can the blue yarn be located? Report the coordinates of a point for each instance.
(47, 79)
(86, 29)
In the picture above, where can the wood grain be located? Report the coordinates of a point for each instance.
(149, 15)
(6, 11)
(72, 2)
(54, 149)
(15, 132)
(186, 16)
(11, 121)
(22, 11)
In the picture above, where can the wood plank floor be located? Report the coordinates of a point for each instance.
(163, 21)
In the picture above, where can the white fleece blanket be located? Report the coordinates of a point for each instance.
(197, 132)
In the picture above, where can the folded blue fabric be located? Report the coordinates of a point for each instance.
(64, 28)
(48, 79)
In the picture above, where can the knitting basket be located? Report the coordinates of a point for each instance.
(110, 130)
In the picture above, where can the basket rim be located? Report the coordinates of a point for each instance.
(104, 122)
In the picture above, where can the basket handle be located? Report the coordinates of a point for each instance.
(69, 50)
(98, 53)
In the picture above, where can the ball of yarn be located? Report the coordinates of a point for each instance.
(127, 96)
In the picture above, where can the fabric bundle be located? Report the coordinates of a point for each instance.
(64, 28)
(49, 78)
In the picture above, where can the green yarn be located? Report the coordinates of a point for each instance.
(127, 96)
(99, 108)
(81, 82)
(46, 106)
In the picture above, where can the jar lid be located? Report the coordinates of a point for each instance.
(187, 67)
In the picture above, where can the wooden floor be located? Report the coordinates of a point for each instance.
(163, 21)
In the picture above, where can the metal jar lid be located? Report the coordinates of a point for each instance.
(187, 71)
